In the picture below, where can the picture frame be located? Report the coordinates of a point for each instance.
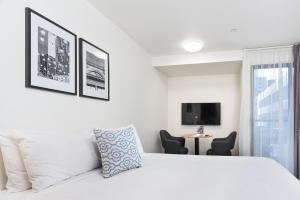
(51, 55)
(93, 71)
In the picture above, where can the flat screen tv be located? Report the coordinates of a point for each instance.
(201, 113)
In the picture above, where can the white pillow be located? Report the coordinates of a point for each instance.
(3, 177)
(138, 140)
(54, 157)
(17, 177)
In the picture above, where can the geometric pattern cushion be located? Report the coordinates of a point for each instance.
(118, 150)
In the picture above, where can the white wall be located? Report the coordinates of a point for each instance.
(138, 91)
(208, 88)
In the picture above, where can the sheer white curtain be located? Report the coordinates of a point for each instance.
(266, 120)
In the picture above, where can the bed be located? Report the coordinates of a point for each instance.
(177, 177)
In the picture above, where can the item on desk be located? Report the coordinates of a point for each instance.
(200, 130)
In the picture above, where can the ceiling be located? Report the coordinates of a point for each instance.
(160, 26)
(217, 68)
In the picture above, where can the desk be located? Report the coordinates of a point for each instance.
(196, 137)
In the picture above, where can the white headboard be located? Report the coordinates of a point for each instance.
(3, 178)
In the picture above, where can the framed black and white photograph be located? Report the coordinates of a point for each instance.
(93, 71)
(50, 55)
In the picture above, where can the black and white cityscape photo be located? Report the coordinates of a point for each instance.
(95, 71)
(50, 55)
(53, 56)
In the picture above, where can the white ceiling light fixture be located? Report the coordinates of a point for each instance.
(192, 46)
(233, 30)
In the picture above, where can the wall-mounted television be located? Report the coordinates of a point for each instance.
(201, 114)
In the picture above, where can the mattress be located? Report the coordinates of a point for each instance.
(178, 177)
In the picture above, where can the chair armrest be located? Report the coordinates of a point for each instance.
(180, 139)
(219, 139)
(172, 146)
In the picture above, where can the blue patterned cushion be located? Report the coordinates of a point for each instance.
(118, 149)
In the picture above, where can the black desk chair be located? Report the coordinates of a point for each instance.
(222, 146)
(171, 144)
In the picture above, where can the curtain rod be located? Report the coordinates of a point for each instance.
(266, 48)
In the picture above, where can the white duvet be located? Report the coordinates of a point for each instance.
(179, 177)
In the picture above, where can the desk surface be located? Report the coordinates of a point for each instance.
(196, 135)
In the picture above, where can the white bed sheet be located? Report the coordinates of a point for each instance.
(177, 177)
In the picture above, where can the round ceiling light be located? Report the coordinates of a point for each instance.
(192, 46)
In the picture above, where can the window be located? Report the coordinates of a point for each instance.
(272, 112)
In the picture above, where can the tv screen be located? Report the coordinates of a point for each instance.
(201, 113)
